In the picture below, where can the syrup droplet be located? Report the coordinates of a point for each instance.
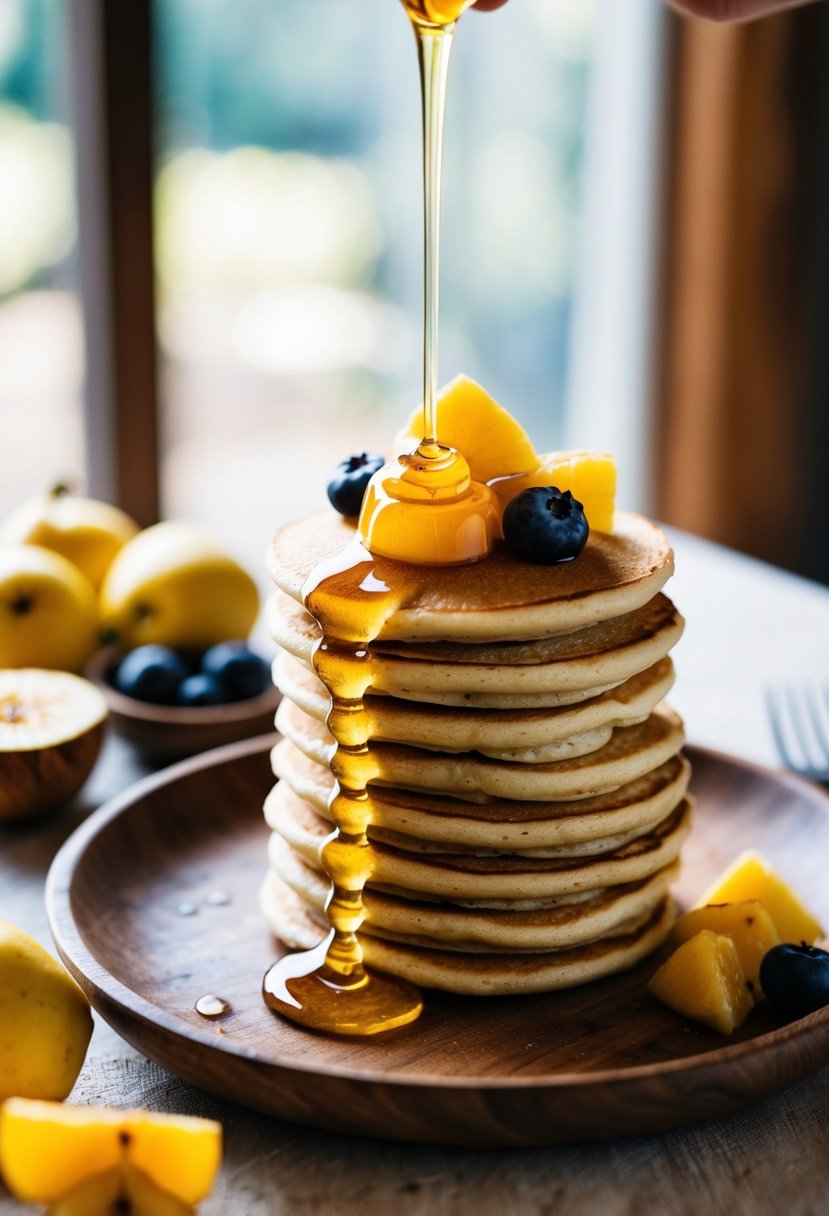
(212, 1006)
(186, 909)
(218, 899)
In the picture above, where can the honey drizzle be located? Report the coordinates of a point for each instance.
(434, 46)
(328, 988)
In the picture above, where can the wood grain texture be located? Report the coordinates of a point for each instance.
(596, 1062)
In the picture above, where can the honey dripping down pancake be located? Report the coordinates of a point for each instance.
(428, 814)
(491, 868)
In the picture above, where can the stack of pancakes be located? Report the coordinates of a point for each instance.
(530, 799)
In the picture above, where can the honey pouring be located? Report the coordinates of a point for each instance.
(423, 509)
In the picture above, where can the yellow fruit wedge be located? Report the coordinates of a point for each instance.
(703, 981)
(753, 877)
(473, 423)
(589, 476)
(48, 1150)
(123, 1189)
(749, 926)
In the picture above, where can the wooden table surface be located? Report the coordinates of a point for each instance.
(747, 625)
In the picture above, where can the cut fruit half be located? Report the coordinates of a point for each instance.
(48, 1151)
(473, 423)
(51, 729)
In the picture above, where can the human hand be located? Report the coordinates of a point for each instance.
(733, 10)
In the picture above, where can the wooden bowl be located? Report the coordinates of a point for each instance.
(166, 732)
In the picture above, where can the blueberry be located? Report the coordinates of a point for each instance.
(200, 690)
(151, 673)
(348, 482)
(544, 526)
(238, 670)
(795, 979)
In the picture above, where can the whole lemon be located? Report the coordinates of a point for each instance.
(87, 532)
(48, 610)
(175, 586)
(45, 1021)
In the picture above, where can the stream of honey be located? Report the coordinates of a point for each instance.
(328, 988)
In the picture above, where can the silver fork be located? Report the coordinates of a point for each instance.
(799, 720)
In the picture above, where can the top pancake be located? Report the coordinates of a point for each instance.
(502, 597)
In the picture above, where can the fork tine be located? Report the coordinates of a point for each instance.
(800, 728)
(773, 706)
(818, 720)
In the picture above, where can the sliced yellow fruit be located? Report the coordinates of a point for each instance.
(753, 877)
(703, 981)
(47, 1150)
(747, 923)
(473, 423)
(123, 1189)
(589, 476)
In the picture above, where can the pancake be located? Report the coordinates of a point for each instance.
(509, 876)
(631, 752)
(476, 974)
(527, 797)
(587, 660)
(492, 600)
(303, 827)
(500, 823)
(450, 926)
(509, 735)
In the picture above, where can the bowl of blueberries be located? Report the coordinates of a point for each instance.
(174, 703)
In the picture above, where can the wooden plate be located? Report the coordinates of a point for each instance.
(152, 904)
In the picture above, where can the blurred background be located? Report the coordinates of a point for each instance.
(210, 252)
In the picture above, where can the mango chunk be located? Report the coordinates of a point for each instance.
(120, 1190)
(749, 926)
(473, 423)
(589, 476)
(48, 1150)
(703, 981)
(753, 877)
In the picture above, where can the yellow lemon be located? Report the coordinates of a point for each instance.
(48, 611)
(172, 584)
(86, 532)
(45, 1022)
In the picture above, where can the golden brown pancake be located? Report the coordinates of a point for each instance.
(474, 973)
(586, 660)
(563, 922)
(508, 876)
(499, 823)
(631, 752)
(494, 599)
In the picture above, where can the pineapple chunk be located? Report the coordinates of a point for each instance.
(589, 476)
(48, 1150)
(752, 877)
(703, 980)
(749, 926)
(469, 420)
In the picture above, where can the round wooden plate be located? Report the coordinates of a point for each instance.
(152, 903)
